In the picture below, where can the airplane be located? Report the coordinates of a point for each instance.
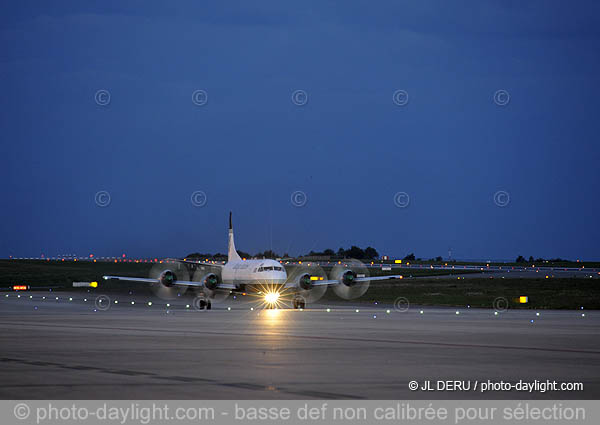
(265, 277)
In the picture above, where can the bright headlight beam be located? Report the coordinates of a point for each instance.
(271, 297)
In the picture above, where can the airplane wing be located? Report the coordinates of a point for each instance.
(177, 282)
(359, 279)
(197, 262)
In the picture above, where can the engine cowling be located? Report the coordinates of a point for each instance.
(304, 282)
(168, 278)
(210, 281)
(303, 278)
(209, 288)
(348, 278)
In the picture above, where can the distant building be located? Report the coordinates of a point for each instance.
(315, 258)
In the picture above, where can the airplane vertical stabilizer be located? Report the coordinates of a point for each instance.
(232, 254)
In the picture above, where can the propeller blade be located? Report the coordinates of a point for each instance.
(169, 292)
(356, 289)
(315, 293)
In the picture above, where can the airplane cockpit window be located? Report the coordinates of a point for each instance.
(268, 268)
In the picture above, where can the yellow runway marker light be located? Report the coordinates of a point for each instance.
(94, 284)
(398, 261)
(523, 299)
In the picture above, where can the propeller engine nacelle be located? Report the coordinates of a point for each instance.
(347, 278)
(304, 279)
(210, 286)
(304, 282)
(210, 281)
(167, 278)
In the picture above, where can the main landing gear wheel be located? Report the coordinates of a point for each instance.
(200, 303)
(299, 303)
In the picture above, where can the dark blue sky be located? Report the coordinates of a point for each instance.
(349, 149)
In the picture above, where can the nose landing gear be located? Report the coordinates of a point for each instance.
(299, 302)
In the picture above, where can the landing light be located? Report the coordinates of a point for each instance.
(271, 297)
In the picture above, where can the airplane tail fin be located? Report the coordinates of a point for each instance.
(232, 254)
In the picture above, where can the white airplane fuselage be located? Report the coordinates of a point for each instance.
(253, 272)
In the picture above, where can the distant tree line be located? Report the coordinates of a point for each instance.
(521, 259)
(369, 253)
(411, 257)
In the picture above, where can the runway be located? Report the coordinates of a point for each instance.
(67, 348)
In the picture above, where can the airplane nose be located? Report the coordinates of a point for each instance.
(280, 280)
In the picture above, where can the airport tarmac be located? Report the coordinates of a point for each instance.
(67, 348)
